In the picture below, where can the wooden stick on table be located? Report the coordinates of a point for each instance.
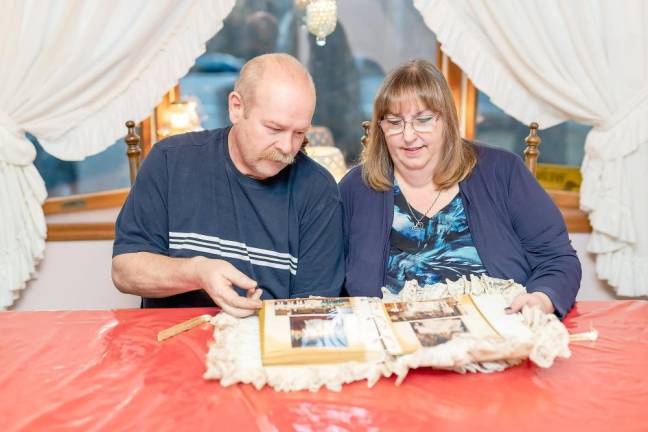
(183, 326)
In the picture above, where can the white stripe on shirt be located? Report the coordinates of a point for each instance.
(232, 249)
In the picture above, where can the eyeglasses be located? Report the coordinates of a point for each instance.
(422, 124)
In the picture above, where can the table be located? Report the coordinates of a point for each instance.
(104, 370)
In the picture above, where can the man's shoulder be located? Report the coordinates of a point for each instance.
(191, 141)
(313, 177)
(178, 155)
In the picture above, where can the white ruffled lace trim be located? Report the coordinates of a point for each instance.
(22, 232)
(607, 195)
(623, 270)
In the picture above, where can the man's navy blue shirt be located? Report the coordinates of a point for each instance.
(189, 199)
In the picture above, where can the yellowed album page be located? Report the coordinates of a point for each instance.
(426, 324)
(321, 330)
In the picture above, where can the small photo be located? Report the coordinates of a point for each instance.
(312, 306)
(435, 332)
(318, 331)
(416, 311)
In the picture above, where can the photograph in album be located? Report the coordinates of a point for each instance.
(322, 330)
(435, 332)
(409, 311)
(425, 324)
(311, 306)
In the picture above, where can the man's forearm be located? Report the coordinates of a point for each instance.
(150, 275)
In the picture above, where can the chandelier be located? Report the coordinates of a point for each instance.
(321, 18)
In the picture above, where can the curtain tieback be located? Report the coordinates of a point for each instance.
(15, 148)
(9, 124)
(619, 116)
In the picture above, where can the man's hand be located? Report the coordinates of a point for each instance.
(218, 278)
(537, 298)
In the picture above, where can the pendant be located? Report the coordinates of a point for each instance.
(418, 226)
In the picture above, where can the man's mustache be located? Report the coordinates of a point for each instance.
(278, 156)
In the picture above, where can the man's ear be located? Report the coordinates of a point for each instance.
(235, 107)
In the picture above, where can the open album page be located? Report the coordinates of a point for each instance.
(323, 330)
(427, 324)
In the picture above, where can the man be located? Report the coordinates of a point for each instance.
(234, 215)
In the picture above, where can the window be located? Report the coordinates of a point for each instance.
(371, 38)
(347, 70)
(104, 171)
(561, 149)
(562, 144)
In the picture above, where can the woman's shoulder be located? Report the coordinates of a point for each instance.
(356, 193)
(352, 180)
(489, 155)
(496, 162)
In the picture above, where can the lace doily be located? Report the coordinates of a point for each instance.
(235, 357)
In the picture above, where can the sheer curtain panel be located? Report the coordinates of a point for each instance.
(553, 60)
(71, 73)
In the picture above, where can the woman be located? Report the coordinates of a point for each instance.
(425, 204)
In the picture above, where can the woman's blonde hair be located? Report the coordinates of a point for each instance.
(418, 79)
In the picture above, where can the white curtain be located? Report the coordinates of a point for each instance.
(71, 73)
(554, 60)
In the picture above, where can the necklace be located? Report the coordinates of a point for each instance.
(417, 224)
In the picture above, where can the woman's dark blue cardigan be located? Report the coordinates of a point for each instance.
(518, 231)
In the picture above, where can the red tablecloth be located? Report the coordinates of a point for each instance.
(104, 370)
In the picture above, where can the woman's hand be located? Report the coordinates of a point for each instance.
(537, 298)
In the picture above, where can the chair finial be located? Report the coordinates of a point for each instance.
(531, 152)
(365, 136)
(133, 150)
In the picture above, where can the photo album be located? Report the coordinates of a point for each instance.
(334, 330)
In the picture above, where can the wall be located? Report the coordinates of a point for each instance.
(591, 287)
(75, 275)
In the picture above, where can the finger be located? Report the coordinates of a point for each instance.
(232, 298)
(254, 293)
(237, 278)
(517, 304)
(236, 312)
(258, 294)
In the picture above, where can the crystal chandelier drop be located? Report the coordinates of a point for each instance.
(321, 18)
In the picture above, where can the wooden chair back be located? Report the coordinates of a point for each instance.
(133, 150)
